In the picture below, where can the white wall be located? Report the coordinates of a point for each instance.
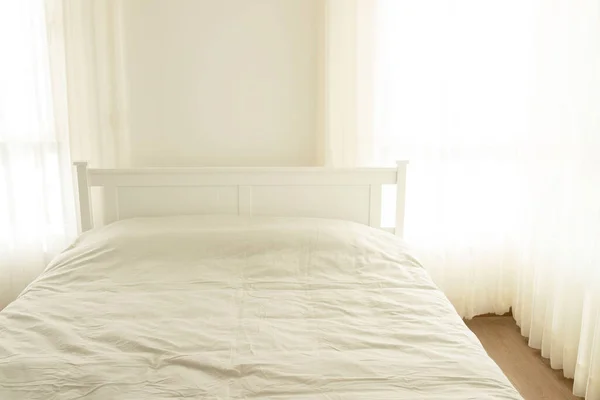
(222, 82)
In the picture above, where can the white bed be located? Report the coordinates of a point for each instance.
(238, 307)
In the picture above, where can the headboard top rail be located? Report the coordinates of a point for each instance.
(343, 193)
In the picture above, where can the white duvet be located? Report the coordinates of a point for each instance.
(239, 308)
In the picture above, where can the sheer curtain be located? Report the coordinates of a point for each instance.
(90, 38)
(62, 97)
(451, 97)
(497, 107)
(557, 298)
(36, 211)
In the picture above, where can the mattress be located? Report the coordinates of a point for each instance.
(239, 308)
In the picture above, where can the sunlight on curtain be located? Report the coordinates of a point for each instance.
(451, 97)
(497, 106)
(62, 95)
(36, 218)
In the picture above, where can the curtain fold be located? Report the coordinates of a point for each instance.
(497, 107)
(90, 40)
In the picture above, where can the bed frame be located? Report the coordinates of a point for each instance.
(349, 194)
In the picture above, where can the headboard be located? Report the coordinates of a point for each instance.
(350, 194)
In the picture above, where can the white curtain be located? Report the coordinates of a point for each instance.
(497, 107)
(452, 96)
(36, 209)
(95, 77)
(91, 41)
(62, 97)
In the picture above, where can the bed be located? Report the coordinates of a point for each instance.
(231, 303)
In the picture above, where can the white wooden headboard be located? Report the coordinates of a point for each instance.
(350, 194)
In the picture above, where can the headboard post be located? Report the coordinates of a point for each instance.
(400, 196)
(83, 196)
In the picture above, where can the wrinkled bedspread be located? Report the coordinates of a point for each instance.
(239, 308)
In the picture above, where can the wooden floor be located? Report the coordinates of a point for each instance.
(527, 370)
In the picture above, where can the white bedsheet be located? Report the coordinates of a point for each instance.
(237, 308)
